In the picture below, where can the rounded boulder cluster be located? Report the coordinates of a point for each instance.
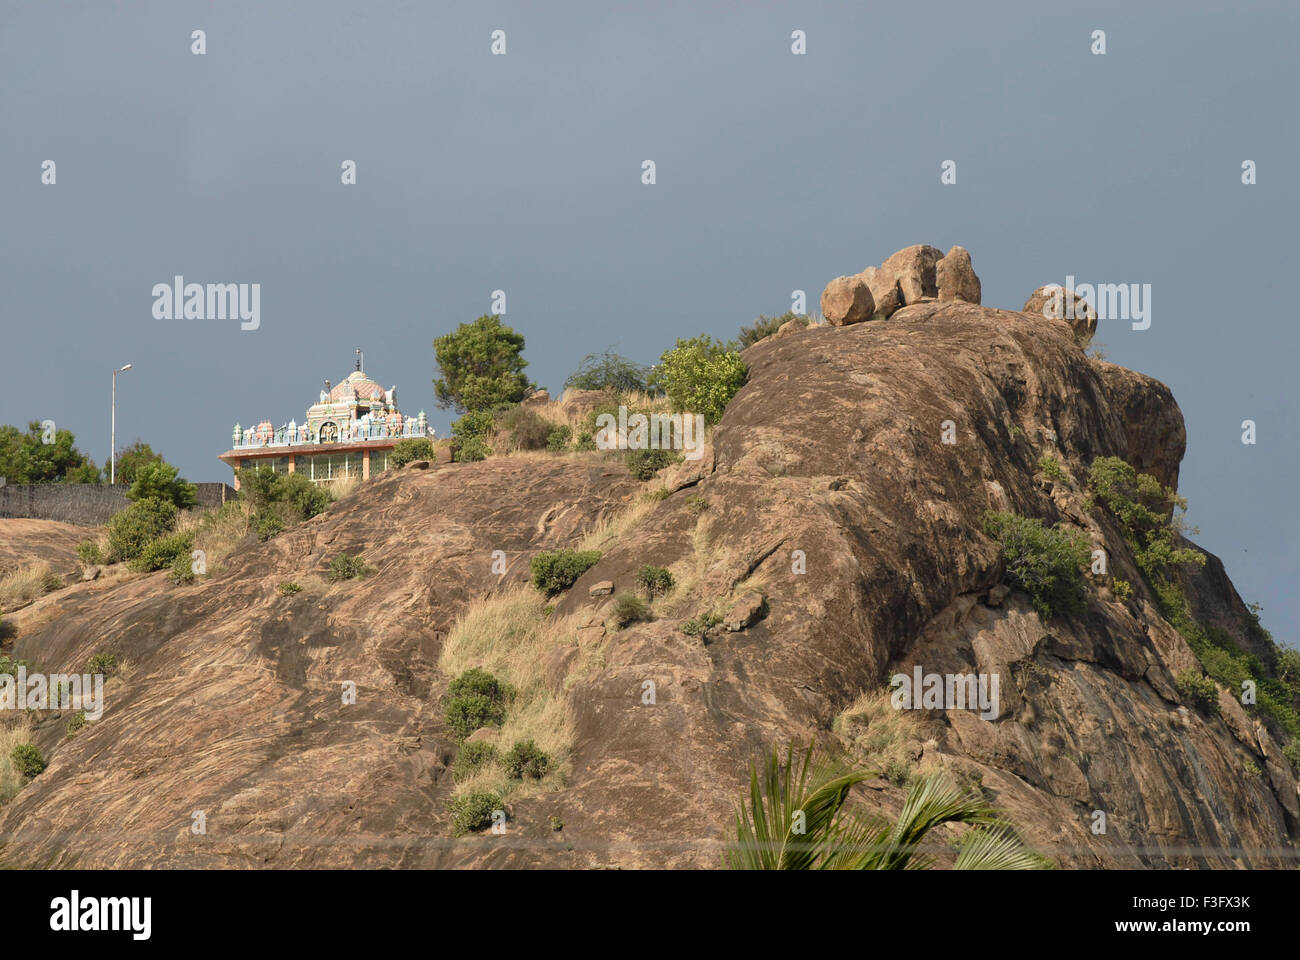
(913, 274)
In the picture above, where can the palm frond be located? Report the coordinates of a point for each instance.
(791, 818)
(997, 848)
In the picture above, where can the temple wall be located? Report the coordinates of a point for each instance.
(88, 504)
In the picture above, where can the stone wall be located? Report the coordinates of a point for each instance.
(88, 504)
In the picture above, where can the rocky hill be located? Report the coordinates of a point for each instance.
(832, 534)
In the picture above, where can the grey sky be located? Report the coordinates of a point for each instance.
(522, 172)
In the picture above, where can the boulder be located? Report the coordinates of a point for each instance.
(602, 588)
(91, 573)
(788, 329)
(442, 455)
(744, 612)
(539, 398)
(418, 465)
(1055, 302)
(955, 278)
(847, 300)
(998, 594)
(482, 735)
(913, 269)
(884, 291)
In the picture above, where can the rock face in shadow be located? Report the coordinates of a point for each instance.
(828, 492)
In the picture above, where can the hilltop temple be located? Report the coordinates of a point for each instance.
(348, 432)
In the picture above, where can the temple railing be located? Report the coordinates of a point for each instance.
(278, 440)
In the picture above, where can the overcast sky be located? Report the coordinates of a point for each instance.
(522, 172)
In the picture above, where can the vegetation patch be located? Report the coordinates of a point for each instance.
(27, 760)
(524, 759)
(556, 570)
(348, 566)
(1045, 562)
(409, 450)
(475, 811)
(629, 609)
(1198, 690)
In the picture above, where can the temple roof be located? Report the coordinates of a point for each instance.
(362, 387)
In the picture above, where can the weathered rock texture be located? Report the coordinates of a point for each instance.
(1055, 302)
(230, 703)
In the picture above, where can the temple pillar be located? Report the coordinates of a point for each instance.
(291, 463)
(365, 465)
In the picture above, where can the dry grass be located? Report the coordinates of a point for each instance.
(876, 732)
(27, 583)
(342, 487)
(611, 526)
(11, 735)
(511, 637)
(217, 532)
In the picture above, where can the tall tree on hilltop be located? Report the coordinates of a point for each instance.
(481, 366)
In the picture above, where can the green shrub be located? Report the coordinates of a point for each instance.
(1149, 514)
(1198, 690)
(556, 570)
(644, 464)
(289, 588)
(88, 552)
(348, 566)
(1043, 561)
(102, 663)
(469, 711)
(700, 375)
(472, 450)
(697, 504)
(474, 812)
(524, 759)
(157, 480)
(161, 553)
(528, 429)
(309, 499)
(182, 569)
(409, 450)
(699, 626)
(27, 759)
(75, 723)
(765, 326)
(629, 609)
(608, 371)
(1051, 468)
(585, 441)
(654, 580)
(478, 681)
(1292, 752)
(134, 528)
(290, 497)
(470, 758)
(1122, 588)
(268, 523)
(51, 582)
(557, 441)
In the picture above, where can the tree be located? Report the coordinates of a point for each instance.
(700, 375)
(608, 371)
(481, 366)
(28, 458)
(158, 480)
(797, 819)
(132, 458)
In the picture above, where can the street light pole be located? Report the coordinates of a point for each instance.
(112, 442)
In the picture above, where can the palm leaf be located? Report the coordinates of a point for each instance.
(791, 819)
